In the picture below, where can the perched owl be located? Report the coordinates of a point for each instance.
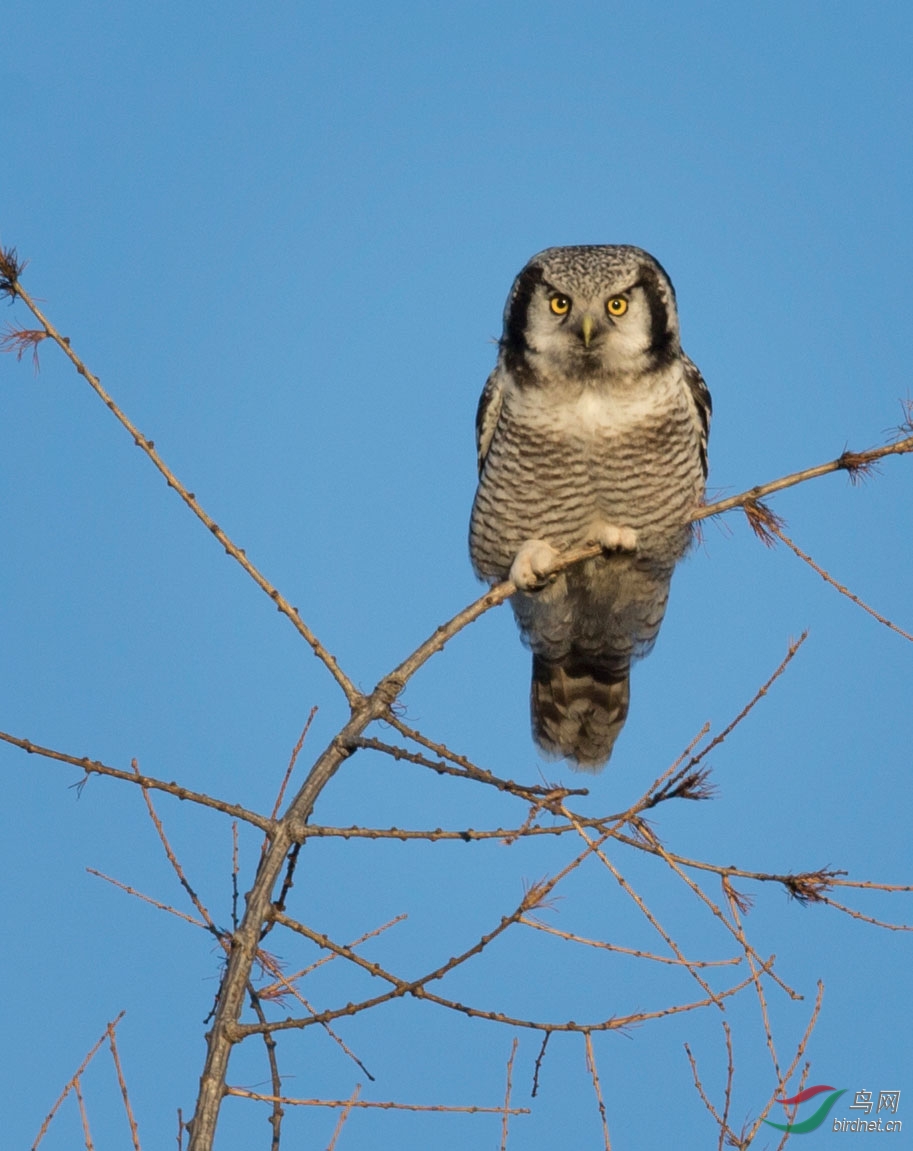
(592, 428)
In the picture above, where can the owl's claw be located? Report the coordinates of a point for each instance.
(532, 564)
(613, 538)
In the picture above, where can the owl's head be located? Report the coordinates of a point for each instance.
(590, 310)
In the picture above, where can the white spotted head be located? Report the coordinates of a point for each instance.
(587, 311)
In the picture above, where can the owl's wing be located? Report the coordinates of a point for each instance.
(487, 414)
(703, 406)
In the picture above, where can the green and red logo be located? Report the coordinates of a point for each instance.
(816, 1118)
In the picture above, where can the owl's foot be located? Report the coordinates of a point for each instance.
(613, 538)
(532, 564)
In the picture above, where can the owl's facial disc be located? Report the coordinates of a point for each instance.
(591, 333)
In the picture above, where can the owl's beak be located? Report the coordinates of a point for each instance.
(586, 328)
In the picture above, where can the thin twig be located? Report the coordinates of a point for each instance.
(235, 867)
(277, 1113)
(69, 1087)
(344, 1115)
(146, 445)
(289, 988)
(865, 918)
(469, 771)
(536, 1069)
(288, 880)
(734, 907)
(591, 1067)
(275, 990)
(293, 759)
(762, 691)
(722, 1121)
(730, 1075)
(852, 462)
(648, 914)
(243, 1093)
(598, 943)
(705, 1099)
(176, 866)
(122, 1083)
(94, 767)
(790, 1071)
(83, 1115)
(613, 1023)
(473, 770)
(505, 1118)
(777, 530)
(750, 953)
(148, 899)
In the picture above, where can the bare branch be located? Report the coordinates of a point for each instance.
(122, 1083)
(732, 927)
(148, 899)
(535, 1087)
(865, 918)
(759, 987)
(293, 759)
(600, 945)
(83, 1114)
(752, 703)
(347, 1111)
(510, 1071)
(94, 767)
(470, 771)
(13, 287)
(79, 1070)
(853, 462)
(776, 529)
(243, 1093)
(649, 916)
(173, 860)
(727, 1135)
(790, 1071)
(594, 1074)
(277, 1114)
(287, 984)
(275, 991)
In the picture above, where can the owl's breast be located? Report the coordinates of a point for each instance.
(562, 458)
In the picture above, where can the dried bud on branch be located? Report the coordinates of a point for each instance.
(811, 886)
(857, 465)
(11, 268)
(763, 522)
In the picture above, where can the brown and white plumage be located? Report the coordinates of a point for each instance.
(592, 427)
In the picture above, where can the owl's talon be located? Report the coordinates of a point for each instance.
(613, 538)
(532, 563)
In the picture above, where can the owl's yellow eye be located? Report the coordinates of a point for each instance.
(617, 306)
(560, 305)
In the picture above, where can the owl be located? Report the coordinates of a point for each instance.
(592, 428)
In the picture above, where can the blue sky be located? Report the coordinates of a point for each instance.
(283, 237)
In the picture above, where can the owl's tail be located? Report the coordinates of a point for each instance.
(578, 709)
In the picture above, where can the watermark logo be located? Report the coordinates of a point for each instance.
(814, 1121)
(888, 1101)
